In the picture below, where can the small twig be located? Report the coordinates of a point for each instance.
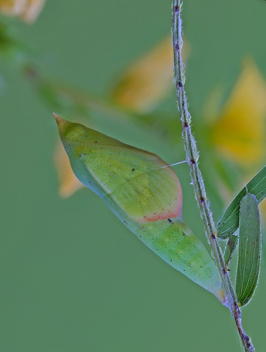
(192, 156)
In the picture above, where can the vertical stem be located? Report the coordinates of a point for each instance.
(192, 157)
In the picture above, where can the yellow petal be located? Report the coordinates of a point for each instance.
(27, 10)
(32, 10)
(12, 7)
(149, 80)
(239, 134)
(69, 183)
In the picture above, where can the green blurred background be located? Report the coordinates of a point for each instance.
(73, 278)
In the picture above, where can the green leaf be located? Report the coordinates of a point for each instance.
(249, 252)
(229, 249)
(229, 221)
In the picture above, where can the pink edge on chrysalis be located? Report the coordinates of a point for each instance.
(174, 212)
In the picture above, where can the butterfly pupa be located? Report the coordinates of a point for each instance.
(145, 194)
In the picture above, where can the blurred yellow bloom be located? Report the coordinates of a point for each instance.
(149, 80)
(27, 10)
(69, 183)
(239, 132)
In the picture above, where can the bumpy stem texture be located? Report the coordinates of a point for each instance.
(192, 156)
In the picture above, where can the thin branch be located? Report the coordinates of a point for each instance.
(192, 157)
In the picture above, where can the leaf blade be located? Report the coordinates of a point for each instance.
(249, 249)
(229, 249)
(229, 221)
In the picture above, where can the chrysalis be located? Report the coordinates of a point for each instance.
(145, 194)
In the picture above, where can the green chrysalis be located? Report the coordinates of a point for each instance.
(143, 192)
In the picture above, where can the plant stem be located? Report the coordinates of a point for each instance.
(192, 157)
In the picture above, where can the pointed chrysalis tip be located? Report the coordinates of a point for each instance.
(58, 118)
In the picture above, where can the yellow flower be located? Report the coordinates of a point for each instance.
(148, 80)
(238, 133)
(27, 10)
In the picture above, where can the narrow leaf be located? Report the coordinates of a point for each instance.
(229, 221)
(229, 249)
(249, 249)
